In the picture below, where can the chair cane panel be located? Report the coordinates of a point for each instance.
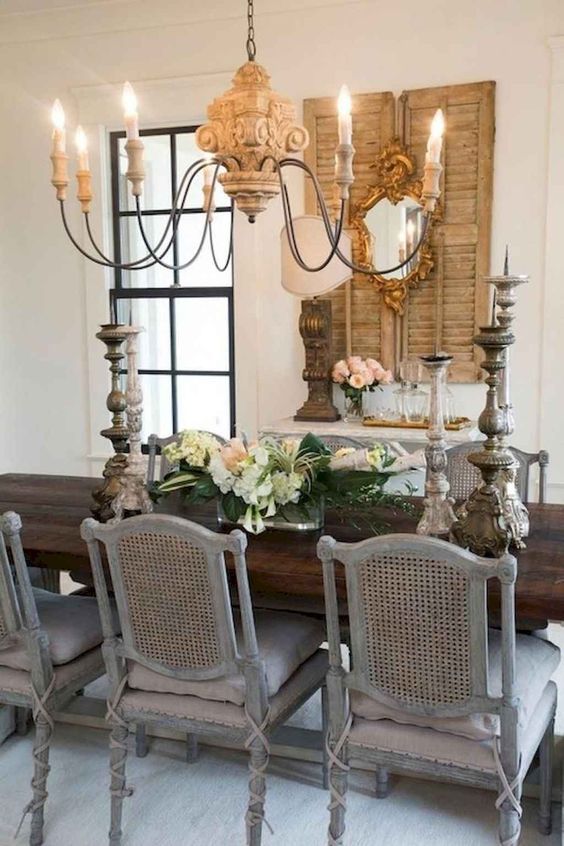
(170, 600)
(416, 629)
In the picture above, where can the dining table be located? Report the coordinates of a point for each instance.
(282, 564)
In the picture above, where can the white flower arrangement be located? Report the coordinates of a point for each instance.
(257, 481)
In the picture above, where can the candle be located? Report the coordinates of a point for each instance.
(494, 308)
(344, 106)
(435, 142)
(81, 148)
(410, 233)
(58, 118)
(401, 245)
(130, 115)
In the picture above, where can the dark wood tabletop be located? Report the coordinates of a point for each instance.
(284, 562)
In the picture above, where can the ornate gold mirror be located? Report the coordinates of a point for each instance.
(392, 208)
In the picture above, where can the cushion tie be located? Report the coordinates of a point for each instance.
(255, 817)
(39, 782)
(338, 799)
(112, 715)
(507, 792)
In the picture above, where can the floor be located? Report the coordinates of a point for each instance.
(176, 804)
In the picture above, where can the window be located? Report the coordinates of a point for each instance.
(186, 355)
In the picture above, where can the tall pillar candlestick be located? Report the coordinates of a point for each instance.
(133, 497)
(113, 335)
(481, 525)
(438, 514)
(517, 516)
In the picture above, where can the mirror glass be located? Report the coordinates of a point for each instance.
(395, 230)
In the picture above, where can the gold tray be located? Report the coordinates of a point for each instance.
(455, 426)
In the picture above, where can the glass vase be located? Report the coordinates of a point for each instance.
(315, 519)
(354, 409)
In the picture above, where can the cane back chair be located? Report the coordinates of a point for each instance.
(156, 445)
(49, 650)
(431, 689)
(463, 476)
(184, 658)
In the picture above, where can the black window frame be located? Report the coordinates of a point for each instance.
(175, 291)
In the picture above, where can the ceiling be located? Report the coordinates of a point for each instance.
(22, 7)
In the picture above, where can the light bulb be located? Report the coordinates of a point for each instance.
(344, 102)
(129, 100)
(80, 140)
(58, 115)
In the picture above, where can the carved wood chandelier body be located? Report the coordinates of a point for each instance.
(249, 140)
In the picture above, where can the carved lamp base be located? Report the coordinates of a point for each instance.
(481, 526)
(316, 330)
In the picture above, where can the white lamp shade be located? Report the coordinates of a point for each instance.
(314, 247)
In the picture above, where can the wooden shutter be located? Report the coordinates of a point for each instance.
(453, 301)
(357, 305)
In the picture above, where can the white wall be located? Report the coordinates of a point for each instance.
(52, 371)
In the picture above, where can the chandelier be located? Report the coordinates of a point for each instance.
(248, 143)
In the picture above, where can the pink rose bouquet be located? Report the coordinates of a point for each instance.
(356, 375)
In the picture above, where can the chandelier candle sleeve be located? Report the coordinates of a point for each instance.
(435, 143)
(83, 175)
(433, 168)
(59, 158)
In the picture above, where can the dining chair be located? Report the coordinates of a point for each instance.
(156, 445)
(185, 659)
(431, 689)
(49, 650)
(463, 476)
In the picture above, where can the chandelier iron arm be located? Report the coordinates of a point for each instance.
(289, 162)
(222, 268)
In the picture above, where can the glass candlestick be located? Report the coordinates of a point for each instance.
(438, 515)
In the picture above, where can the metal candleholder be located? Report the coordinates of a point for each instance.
(481, 525)
(113, 335)
(438, 515)
(514, 511)
(133, 497)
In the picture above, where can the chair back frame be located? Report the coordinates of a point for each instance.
(476, 571)
(525, 459)
(215, 545)
(155, 443)
(19, 613)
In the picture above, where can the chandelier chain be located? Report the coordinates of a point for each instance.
(251, 46)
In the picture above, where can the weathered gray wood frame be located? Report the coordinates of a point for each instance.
(118, 649)
(478, 571)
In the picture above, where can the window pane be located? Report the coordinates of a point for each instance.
(188, 152)
(133, 248)
(203, 272)
(203, 403)
(157, 185)
(154, 343)
(202, 333)
(157, 405)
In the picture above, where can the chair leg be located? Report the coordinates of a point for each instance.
(324, 732)
(382, 783)
(257, 788)
(43, 733)
(191, 748)
(338, 783)
(141, 747)
(118, 790)
(22, 720)
(545, 807)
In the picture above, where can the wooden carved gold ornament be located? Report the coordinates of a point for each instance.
(399, 222)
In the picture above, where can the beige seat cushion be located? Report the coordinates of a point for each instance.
(536, 661)
(285, 641)
(72, 624)
(142, 704)
(89, 666)
(443, 747)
